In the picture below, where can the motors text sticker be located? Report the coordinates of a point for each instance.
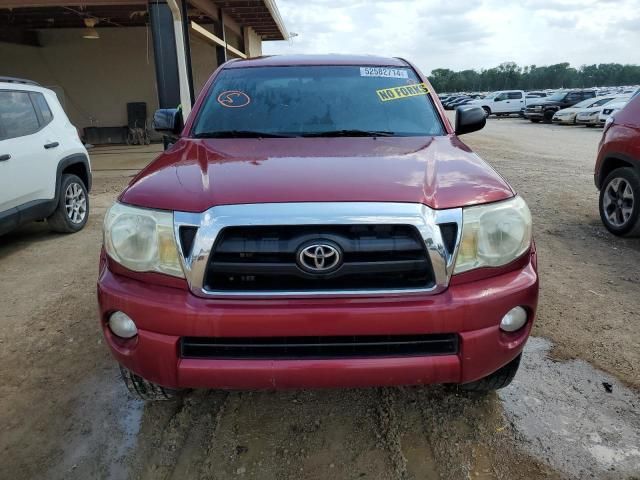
(396, 93)
(234, 99)
(384, 72)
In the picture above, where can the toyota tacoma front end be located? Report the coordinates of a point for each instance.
(317, 223)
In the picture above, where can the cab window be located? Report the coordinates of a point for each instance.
(17, 115)
(42, 107)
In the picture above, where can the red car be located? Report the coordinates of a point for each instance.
(617, 172)
(317, 223)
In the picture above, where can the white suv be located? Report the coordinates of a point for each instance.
(44, 168)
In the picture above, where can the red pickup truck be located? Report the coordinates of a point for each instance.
(317, 223)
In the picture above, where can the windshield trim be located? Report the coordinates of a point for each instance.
(188, 131)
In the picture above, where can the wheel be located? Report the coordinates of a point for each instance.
(619, 210)
(487, 111)
(498, 379)
(144, 389)
(72, 211)
(548, 116)
(534, 120)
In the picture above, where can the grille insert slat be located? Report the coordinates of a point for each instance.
(323, 347)
(264, 258)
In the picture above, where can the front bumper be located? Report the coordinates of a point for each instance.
(539, 115)
(164, 314)
(564, 119)
(587, 120)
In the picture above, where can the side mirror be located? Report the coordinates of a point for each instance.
(168, 121)
(469, 118)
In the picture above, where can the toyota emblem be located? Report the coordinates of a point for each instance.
(319, 257)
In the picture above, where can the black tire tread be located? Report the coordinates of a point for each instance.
(497, 380)
(633, 177)
(58, 221)
(144, 389)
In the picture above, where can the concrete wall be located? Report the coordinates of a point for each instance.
(203, 61)
(252, 42)
(95, 79)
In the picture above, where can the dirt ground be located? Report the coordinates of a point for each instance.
(64, 413)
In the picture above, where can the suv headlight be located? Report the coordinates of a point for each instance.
(142, 240)
(494, 234)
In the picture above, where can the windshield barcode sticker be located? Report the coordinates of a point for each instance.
(396, 93)
(384, 72)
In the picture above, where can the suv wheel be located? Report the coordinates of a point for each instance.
(620, 202)
(498, 379)
(548, 116)
(487, 111)
(72, 211)
(144, 389)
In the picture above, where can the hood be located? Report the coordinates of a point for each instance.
(590, 111)
(569, 110)
(197, 174)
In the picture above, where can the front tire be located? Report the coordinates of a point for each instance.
(144, 389)
(619, 202)
(498, 379)
(548, 116)
(487, 112)
(72, 211)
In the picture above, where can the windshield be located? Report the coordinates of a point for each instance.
(601, 102)
(317, 101)
(557, 96)
(591, 102)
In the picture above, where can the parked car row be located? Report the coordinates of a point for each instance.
(590, 107)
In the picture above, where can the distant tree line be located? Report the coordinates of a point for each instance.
(509, 75)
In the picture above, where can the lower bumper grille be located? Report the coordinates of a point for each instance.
(289, 348)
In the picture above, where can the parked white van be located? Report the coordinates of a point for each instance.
(502, 102)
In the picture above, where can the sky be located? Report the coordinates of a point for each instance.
(461, 34)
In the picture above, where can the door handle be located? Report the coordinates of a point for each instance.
(4, 158)
(51, 145)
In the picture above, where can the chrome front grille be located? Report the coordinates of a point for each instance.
(250, 250)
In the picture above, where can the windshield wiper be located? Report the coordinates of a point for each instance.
(240, 134)
(350, 133)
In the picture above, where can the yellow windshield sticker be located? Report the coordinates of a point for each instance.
(396, 93)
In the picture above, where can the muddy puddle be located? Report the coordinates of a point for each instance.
(582, 421)
(557, 420)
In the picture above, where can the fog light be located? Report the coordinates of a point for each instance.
(122, 326)
(514, 319)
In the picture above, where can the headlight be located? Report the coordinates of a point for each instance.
(142, 240)
(494, 235)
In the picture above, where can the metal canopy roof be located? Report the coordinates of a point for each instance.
(261, 15)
